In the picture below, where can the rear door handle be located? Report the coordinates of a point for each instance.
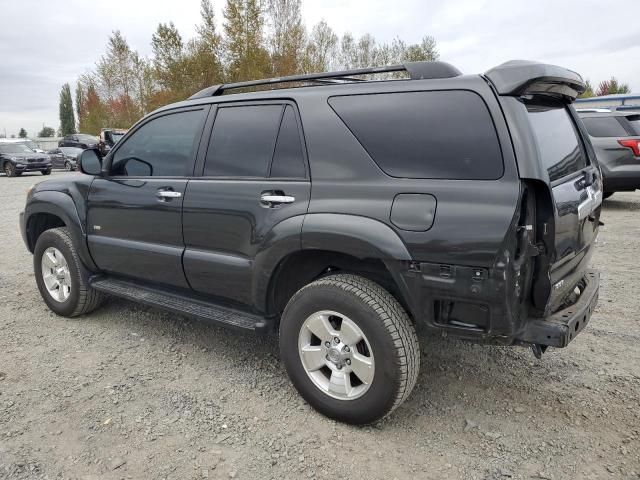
(168, 194)
(272, 199)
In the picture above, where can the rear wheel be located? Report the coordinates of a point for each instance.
(10, 169)
(349, 348)
(60, 277)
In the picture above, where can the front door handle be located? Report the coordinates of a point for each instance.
(271, 199)
(166, 194)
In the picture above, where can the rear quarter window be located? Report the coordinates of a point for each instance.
(436, 134)
(604, 127)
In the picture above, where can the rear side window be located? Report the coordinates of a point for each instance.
(604, 127)
(634, 121)
(557, 140)
(443, 134)
(255, 141)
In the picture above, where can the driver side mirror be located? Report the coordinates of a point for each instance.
(90, 162)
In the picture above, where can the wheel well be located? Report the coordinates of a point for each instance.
(39, 223)
(302, 268)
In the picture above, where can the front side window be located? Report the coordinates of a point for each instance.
(557, 140)
(162, 147)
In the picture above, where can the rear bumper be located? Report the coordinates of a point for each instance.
(621, 177)
(558, 329)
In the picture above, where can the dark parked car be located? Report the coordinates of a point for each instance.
(615, 136)
(17, 158)
(64, 157)
(344, 217)
(79, 140)
(108, 138)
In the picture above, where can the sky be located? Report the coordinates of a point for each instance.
(45, 43)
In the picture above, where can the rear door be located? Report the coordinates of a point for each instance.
(134, 218)
(254, 176)
(577, 193)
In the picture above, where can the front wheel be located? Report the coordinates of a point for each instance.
(10, 169)
(349, 348)
(60, 277)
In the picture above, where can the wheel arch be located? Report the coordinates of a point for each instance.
(50, 209)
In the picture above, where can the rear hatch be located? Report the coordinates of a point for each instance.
(555, 157)
(576, 190)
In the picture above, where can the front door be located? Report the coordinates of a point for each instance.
(254, 178)
(134, 219)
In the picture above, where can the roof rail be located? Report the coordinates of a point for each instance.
(416, 71)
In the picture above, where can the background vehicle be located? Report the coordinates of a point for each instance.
(79, 140)
(615, 136)
(64, 157)
(450, 203)
(16, 158)
(23, 141)
(108, 138)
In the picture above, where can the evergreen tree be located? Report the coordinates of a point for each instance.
(22, 133)
(67, 119)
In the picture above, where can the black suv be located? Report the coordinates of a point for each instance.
(79, 140)
(345, 215)
(17, 158)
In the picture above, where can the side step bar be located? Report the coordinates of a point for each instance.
(179, 303)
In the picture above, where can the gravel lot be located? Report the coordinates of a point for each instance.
(133, 392)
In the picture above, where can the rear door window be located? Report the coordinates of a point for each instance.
(557, 140)
(604, 127)
(437, 134)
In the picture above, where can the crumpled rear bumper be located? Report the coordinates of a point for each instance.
(558, 329)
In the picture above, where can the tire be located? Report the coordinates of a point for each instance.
(81, 297)
(46, 172)
(607, 194)
(10, 169)
(389, 344)
(67, 166)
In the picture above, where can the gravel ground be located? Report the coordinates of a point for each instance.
(132, 392)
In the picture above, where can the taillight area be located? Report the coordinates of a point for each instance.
(634, 145)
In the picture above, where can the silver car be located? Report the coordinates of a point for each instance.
(615, 136)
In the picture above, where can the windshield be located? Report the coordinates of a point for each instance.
(15, 148)
(88, 138)
(29, 143)
(71, 150)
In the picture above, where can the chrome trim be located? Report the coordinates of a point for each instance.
(267, 198)
(168, 194)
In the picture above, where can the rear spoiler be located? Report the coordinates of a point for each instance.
(522, 77)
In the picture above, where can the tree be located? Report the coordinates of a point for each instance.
(22, 133)
(287, 37)
(247, 57)
(588, 92)
(67, 118)
(46, 132)
(612, 87)
(320, 50)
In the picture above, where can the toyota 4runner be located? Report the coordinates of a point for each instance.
(344, 215)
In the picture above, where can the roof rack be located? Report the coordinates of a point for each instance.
(416, 71)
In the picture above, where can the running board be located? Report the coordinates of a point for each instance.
(179, 303)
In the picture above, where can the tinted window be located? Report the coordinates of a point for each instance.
(604, 127)
(288, 160)
(166, 144)
(557, 140)
(243, 141)
(634, 121)
(425, 134)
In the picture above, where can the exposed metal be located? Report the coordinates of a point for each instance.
(55, 274)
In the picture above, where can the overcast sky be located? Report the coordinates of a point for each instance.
(44, 44)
